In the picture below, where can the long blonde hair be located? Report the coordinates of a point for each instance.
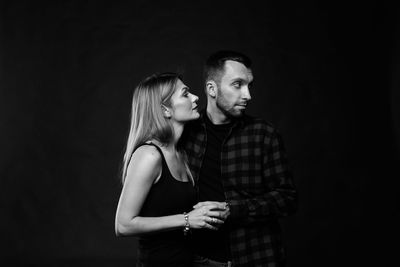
(147, 120)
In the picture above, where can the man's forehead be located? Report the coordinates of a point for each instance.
(234, 69)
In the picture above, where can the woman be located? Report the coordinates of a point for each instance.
(158, 194)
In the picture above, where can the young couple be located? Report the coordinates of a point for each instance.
(204, 188)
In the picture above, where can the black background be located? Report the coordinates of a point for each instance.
(327, 75)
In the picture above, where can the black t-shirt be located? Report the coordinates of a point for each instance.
(209, 243)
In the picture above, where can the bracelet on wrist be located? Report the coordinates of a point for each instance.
(186, 227)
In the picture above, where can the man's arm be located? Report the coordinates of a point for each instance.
(281, 198)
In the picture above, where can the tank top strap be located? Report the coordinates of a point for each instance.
(159, 150)
(165, 168)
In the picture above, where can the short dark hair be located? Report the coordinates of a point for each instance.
(216, 62)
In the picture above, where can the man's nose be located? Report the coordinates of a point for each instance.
(246, 93)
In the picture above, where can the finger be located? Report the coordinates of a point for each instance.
(212, 205)
(215, 214)
(226, 215)
(220, 205)
(201, 204)
(212, 223)
(216, 221)
(223, 215)
(211, 227)
(213, 220)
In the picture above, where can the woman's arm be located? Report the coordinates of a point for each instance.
(145, 167)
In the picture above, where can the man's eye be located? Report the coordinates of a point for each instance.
(237, 84)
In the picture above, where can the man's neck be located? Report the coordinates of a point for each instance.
(216, 116)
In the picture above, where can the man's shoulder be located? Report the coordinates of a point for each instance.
(257, 123)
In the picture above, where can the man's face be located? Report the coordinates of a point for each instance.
(233, 92)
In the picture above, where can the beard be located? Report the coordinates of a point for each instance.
(227, 108)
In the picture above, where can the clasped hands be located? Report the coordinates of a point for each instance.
(208, 214)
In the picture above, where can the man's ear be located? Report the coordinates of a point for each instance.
(211, 88)
(166, 112)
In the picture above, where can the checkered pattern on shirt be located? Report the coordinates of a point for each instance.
(257, 184)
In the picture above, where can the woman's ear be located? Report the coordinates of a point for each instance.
(166, 112)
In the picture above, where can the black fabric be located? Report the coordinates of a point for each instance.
(327, 75)
(166, 197)
(209, 183)
(210, 244)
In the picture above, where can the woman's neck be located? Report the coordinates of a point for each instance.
(178, 130)
(177, 133)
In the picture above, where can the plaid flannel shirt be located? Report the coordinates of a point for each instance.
(257, 183)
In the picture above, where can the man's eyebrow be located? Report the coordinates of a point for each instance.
(239, 79)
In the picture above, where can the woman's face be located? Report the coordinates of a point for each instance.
(183, 104)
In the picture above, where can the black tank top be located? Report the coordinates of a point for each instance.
(166, 197)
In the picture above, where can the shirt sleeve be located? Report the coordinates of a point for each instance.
(280, 199)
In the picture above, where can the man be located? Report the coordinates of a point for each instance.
(239, 160)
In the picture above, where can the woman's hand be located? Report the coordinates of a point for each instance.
(208, 214)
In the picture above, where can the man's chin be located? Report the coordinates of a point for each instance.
(237, 113)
